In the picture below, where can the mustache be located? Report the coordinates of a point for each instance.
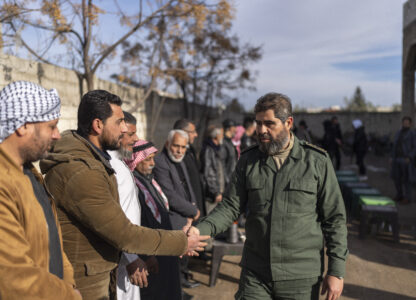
(265, 135)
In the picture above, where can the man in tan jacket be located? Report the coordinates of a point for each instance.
(32, 262)
(95, 228)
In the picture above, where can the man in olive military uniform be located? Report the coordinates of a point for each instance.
(294, 208)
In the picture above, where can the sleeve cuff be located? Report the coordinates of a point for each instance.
(336, 267)
(204, 228)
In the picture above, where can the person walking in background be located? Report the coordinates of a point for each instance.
(229, 153)
(164, 280)
(360, 147)
(337, 136)
(82, 181)
(402, 161)
(248, 139)
(192, 164)
(212, 166)
(302, 132)
(33, 264)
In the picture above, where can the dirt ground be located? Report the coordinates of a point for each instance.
(377, 268)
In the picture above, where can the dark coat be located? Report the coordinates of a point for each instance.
(192, 166)
(166, 174)
(166, 283)
(211, 163)
(229, 156)
(360, 141)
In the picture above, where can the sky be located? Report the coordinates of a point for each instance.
(317, 52)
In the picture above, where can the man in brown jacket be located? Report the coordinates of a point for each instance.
(95, 228)
(32, 262)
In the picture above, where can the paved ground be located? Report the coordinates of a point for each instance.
(377, 269)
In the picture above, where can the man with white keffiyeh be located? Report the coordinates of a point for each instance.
(33, 264)
(164, 282)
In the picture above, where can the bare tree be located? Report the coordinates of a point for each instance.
(71, 26)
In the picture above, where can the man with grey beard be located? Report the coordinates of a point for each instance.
(172, 175)
(132, 271)
(294, 207)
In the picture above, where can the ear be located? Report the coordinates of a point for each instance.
(289, 122)
(167, 144)
(97, 126)
(23, 130)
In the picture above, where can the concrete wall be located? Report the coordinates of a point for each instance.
(67, 84)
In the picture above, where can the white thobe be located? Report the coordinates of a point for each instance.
(129, 202)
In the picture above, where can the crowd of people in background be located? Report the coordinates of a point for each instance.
(105, 191)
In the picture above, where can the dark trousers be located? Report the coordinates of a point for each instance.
(252, 287)
(400, 175)
(183, 268)
(360, 162)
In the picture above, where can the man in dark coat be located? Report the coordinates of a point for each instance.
(164, 282)
(172, 175)
(402, 161)
(248, 139)
(360, 146)
(212, 167)
(192, 163)
(229, 152)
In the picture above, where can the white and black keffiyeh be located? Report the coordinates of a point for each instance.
(22, 102)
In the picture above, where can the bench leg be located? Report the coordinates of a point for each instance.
(217, 255)
(363, 224)
(395, 228)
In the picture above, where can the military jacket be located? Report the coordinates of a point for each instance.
(291, 213)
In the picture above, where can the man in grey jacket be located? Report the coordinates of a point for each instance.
(402, 158)
(213, 170)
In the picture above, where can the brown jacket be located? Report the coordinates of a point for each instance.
(24, 241)
(94, 227)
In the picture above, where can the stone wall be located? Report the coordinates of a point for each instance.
(67, 84)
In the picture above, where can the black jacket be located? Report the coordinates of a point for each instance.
(193, 168)
(360, 141)
(229, 155)
(180, 204)
(211, 168)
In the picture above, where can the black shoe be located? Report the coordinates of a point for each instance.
(190, 285)
(186, 296)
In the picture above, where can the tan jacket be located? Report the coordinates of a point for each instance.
(94, 227)
(24, 241)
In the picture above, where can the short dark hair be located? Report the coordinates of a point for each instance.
(407, 118)
(95, 105)
(129, 118)
(248, 121)
(181, 124)
(279, 103)
(228, 123)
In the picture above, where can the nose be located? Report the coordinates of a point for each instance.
(55, 134)
(261, 129)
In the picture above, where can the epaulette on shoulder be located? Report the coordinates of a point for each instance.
(250, 148)
(314, 147)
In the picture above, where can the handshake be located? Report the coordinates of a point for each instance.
(195, 240)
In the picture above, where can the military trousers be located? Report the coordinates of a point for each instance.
(252, 287)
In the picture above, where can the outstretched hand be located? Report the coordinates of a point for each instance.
(332, 286)
(195, 240)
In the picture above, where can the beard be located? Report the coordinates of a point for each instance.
(38, 148)
(275, 145)
(173, 158)
(109, 142)
(124, 153)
